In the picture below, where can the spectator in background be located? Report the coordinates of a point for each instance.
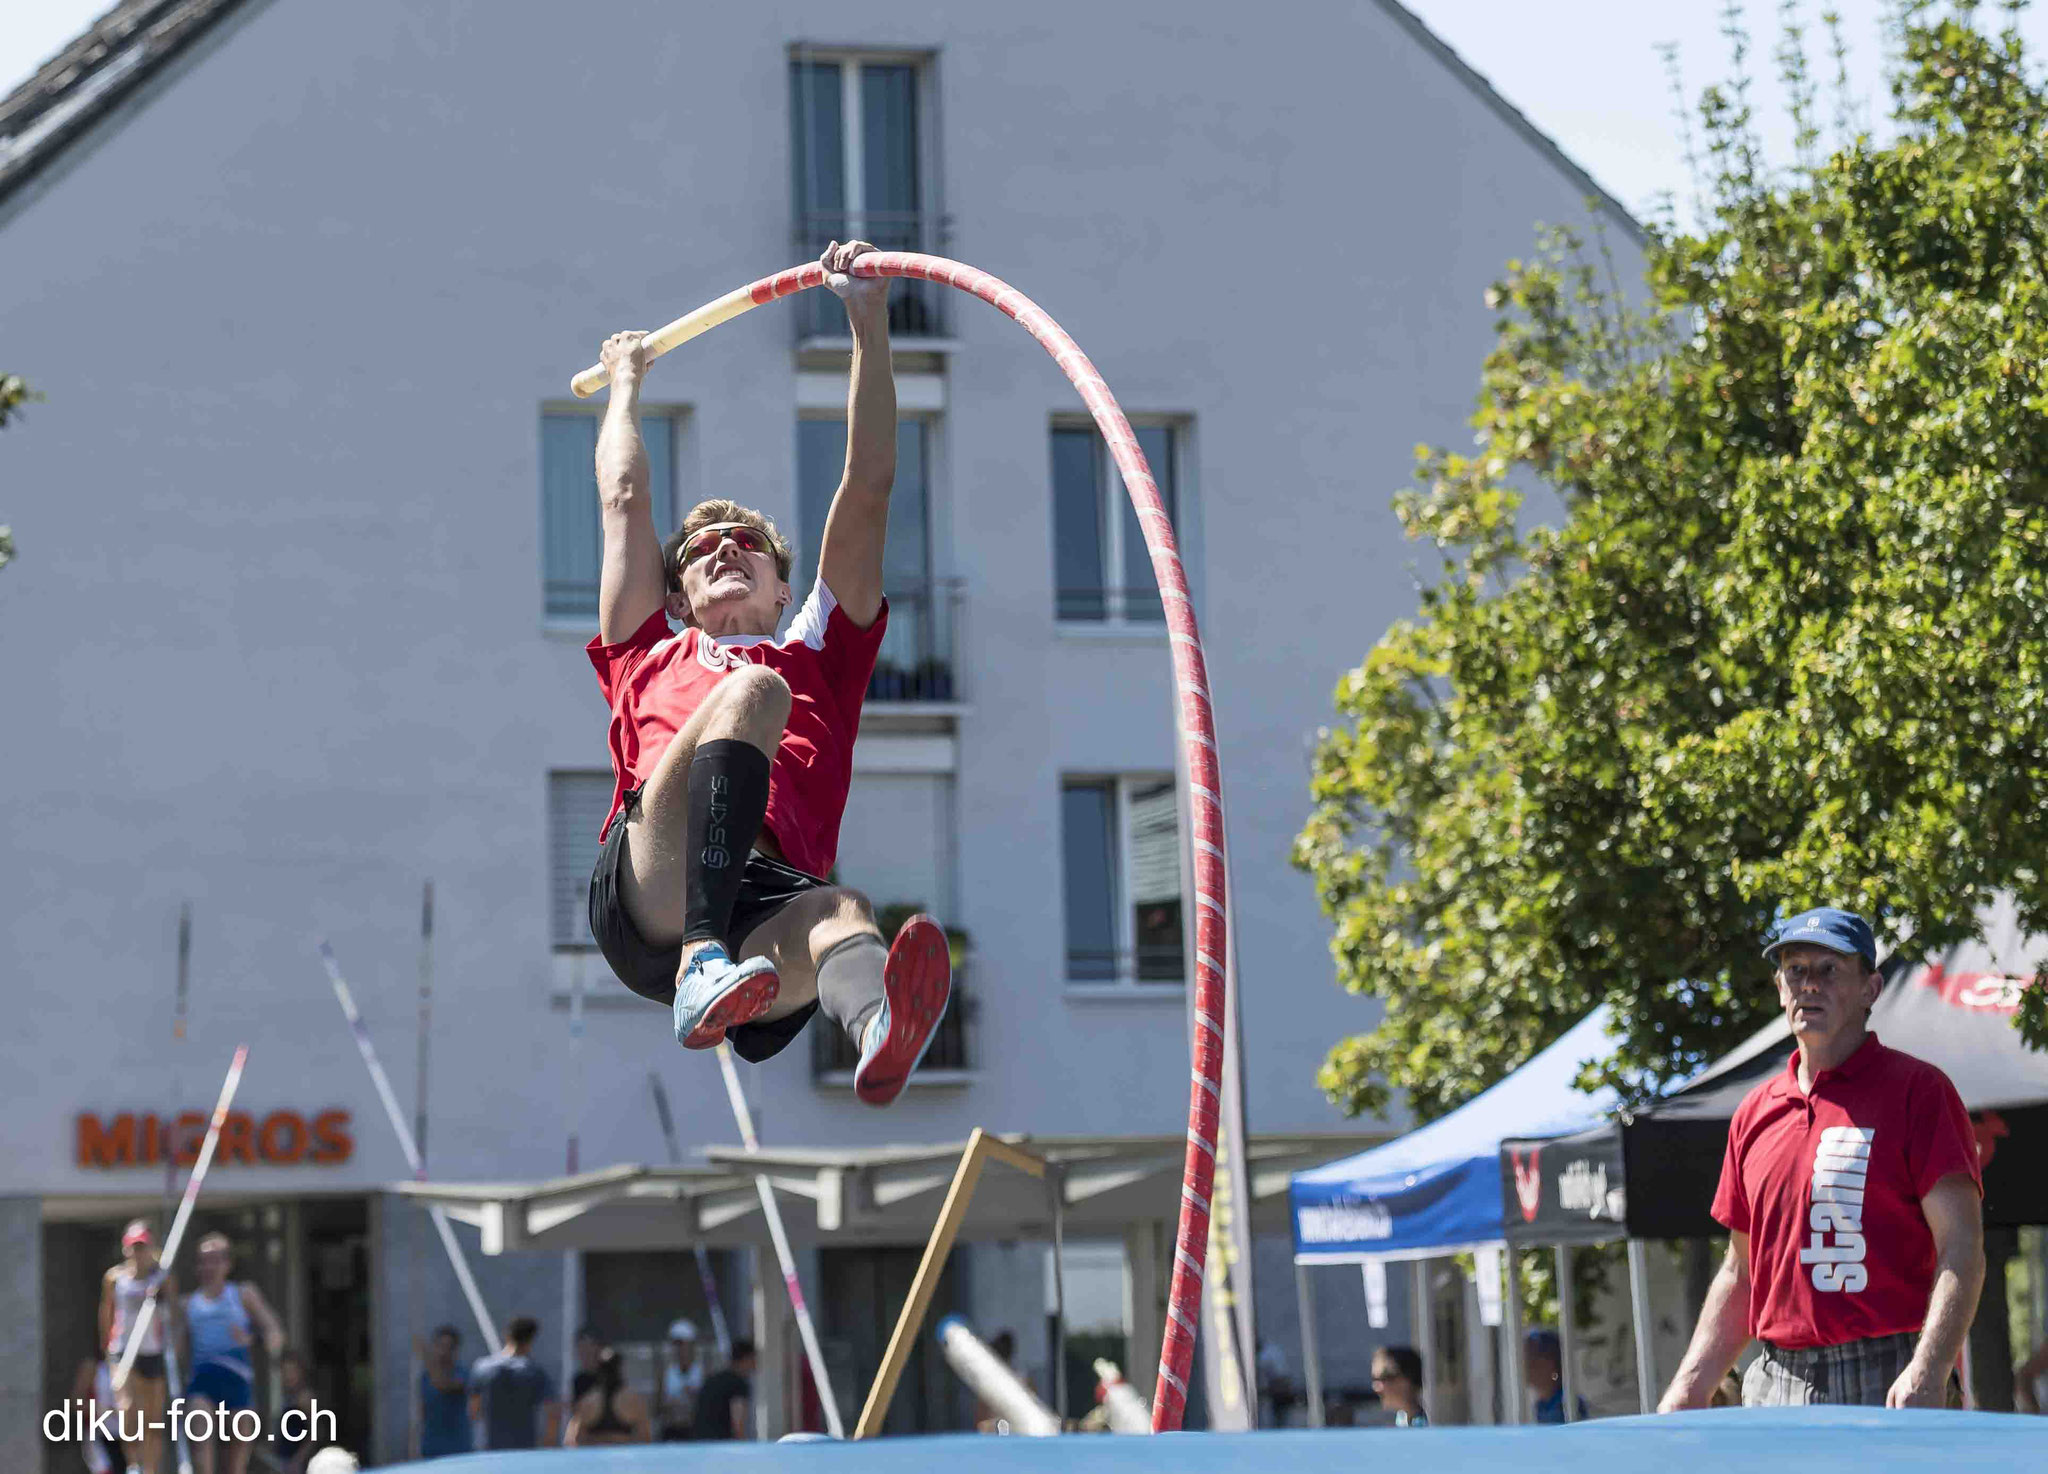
(1543, 1367)
(682, 1378)
(512, 1397)
(1853, 1199)
(725, 1406)
(293, 1453)
(123, 1291)
(610, 1412)
(1397, 1377)
(444, 1398)
(588, 1350)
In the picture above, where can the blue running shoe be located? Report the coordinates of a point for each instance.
(916, 982)
(717, 994)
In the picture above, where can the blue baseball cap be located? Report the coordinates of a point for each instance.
(1825, 926)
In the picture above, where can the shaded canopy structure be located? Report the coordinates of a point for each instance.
(1437, 1189)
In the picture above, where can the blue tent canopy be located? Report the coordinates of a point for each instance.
(1438, 1188)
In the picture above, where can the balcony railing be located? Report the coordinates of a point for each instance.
(915, 663)
(917, 309)
(1110, 606)
(833, 1054)
(1154, 964)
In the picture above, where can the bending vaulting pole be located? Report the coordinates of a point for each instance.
(744, 1118)
(1194, 720)
(410, 1147)
(185, 1205)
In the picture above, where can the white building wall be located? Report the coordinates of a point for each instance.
(273, 642)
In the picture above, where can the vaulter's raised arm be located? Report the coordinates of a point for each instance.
(630, 584)
(857, 527)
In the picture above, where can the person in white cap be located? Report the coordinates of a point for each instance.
(681, 1380)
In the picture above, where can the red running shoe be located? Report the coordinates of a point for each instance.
(916, 983)
(717, 994)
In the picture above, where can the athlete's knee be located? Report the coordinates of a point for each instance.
(839, 909)
(756, 688)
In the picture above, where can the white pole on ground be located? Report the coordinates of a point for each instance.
(571, 1266)
(1000, 1388)
(185, 1204)
(720, 1330)
(408, 1145)
(1639, 1314)
(1567, 1334)
(1311, 1354)
(745, 1119)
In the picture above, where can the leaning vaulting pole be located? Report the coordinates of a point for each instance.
(185, 1205)
(720, 1331)
(773, 1213)
(408, 1145)
(1194, 720)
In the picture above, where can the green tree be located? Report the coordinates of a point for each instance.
(14, 392)
(1788, 642)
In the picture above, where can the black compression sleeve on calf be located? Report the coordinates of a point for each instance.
(728, 799)
(850, 982)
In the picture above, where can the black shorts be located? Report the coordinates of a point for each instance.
(766, 886)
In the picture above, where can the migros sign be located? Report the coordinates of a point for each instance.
(277, 1139)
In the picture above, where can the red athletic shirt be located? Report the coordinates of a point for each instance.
(1828, 1186)
(655, 680)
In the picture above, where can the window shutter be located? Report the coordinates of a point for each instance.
(576, 808)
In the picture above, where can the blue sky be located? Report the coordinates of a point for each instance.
(1586, 72)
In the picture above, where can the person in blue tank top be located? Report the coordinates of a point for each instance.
(222, 1319)
(444, 1398)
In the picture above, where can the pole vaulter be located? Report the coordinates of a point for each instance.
(184, 1216)
(1194, 721)
(456, 1257)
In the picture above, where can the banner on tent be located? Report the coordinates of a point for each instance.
(1564, 1189)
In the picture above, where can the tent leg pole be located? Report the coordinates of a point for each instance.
(1639, 1315)
(1567, 1334)
(1512, 1403)
(1311, 1355)
(1423, 1315)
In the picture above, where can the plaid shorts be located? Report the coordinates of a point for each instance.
(1855, 1373)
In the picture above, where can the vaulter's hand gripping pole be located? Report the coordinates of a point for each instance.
(410, 1147)
(1194, 720)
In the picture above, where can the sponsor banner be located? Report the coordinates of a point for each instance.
(1564, 1189)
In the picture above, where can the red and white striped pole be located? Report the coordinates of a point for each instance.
(1195, 722)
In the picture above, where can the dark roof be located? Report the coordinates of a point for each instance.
(89, 78)
(136, 39)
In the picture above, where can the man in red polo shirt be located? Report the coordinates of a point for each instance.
(1851, 1195)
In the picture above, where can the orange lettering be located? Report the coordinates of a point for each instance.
(235, 1145)
(103, 1145)
(152, 1140)
(187, 1132)
(282, 1137)
(331, 1141)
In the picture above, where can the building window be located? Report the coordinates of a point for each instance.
(577, 804)
(857, 124)
(915, 662)
(1120, 842)
(571, 537)
(1102, 570)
